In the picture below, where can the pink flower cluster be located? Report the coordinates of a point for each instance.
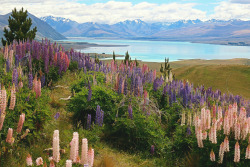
(207, 122)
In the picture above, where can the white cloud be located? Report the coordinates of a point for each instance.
(240, 1)
(110, 12)
(228, 10)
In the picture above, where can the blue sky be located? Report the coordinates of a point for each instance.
(205, 5)
(113, 11)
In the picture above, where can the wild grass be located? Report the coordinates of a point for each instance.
(233, 79)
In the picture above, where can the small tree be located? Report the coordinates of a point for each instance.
(126, 57)
(19, 27)
(113, 55)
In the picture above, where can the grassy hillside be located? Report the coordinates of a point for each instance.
(230, 76)
(233, 79)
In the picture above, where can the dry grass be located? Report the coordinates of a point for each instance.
(233, 79)
(108, 157)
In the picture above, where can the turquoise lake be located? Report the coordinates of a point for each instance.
(156, 51)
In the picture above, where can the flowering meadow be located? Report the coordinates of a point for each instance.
(123, 104)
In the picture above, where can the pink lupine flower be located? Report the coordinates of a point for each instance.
(56, 147)
(203, 118)
(219, 112)
(154, 75)
(38, 90)
(20, 84)
(226, 144)
(91, 157)
(226, 126)
(237, 131)
(245, 130)
(2, 117)
(237, 152)
(20, 123)
(208, 119)
(39, 161)
(11, 57)
(213, 134)
(69, 163)
(204, 135)
(9, 138)
(248, 152)
(84, 158)
(3, 100)
(74, 147)
(52, 164)
(221, 153)
(29, 160)
(243, 114)
(212, 156)
(12, 98)
(199, 138)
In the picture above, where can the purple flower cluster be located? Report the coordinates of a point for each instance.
(30, 78)
(89, 121)
(90, 93)
(130, 112)
(99, 116)
(15, 77)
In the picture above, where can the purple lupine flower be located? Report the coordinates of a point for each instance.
(43, 81)
(97, 115)
(15, 77)
(90, 93)
(136, 88)
(185, 98)
(89, 121)
(156, 84)
(30, 62)
(140, 86)
(130, 112)
(46, 60)
(170, 98)
(152, 150)
(188, 131)
(174, 96)
(125, 87)
(120, 85)
(57, 115)
(30, 77)
(28, 98)
(16, 60)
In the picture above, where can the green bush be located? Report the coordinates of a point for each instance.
(102, 96)
(73, 66)
(137, 134)
(85, 79)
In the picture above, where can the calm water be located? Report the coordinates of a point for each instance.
(156, 51)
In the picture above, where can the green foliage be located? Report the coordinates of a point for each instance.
(53, 74)
(127, 57)
(73, 66)
(137, 134)
(85, 79)
(19, 27)
(113, 55)
(102, 96)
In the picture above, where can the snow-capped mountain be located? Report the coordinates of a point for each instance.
(182, 30)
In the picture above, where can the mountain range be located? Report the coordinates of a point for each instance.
(43, 29)
(233, 32)
(211, 31)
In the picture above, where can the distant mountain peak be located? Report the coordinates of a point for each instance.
(56, 19)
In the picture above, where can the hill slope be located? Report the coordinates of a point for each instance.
(43, 29)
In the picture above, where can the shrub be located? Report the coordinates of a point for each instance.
(81, 107)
